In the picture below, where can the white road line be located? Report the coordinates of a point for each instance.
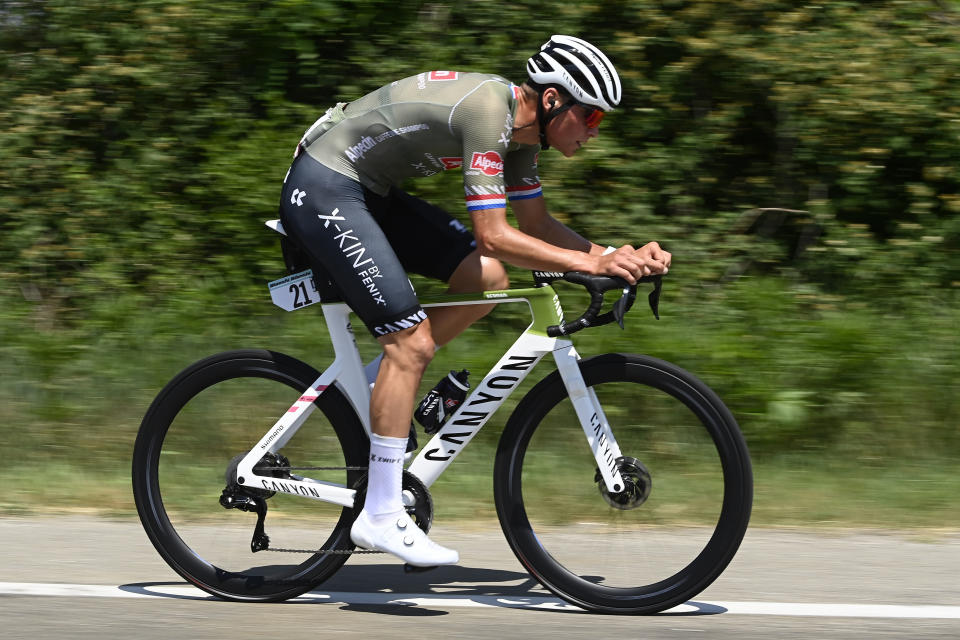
(513, 602)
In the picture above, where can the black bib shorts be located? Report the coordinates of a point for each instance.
(367, 243)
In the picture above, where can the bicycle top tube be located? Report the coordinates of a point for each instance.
(545, 304)
(543, 301)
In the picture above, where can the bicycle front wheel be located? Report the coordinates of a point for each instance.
(186, 452)
(683, 511)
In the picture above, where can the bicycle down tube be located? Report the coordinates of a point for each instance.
(346, 371)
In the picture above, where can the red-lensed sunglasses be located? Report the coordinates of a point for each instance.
(593, 116)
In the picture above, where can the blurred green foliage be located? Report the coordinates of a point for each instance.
(802, 161)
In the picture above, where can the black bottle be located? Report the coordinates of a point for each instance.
(442, 401)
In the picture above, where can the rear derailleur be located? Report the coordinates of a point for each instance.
(237, 496)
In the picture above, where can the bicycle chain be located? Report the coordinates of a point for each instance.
(340, 552)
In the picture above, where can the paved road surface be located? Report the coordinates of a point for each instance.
(77, 577)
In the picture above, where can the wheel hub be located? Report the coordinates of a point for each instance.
(637, 484)
(267, 465)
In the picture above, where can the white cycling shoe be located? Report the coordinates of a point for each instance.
(400, 536)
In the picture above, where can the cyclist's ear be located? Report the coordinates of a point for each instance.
(550, 95)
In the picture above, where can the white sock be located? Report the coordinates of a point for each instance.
(385, 474)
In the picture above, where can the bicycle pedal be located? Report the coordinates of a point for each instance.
(409, 568)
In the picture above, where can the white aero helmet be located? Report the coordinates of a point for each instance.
(579, 68)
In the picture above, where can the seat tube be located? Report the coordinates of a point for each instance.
(350, 378)
(592, 418)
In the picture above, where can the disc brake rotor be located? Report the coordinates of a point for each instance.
(272, 464)
(637, 484)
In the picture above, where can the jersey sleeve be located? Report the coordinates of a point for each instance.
(484, 122)
(520, 173)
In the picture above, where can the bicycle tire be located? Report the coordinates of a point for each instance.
(661, 552)
(181, 457)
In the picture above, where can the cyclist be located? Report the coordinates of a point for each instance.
(342, 206)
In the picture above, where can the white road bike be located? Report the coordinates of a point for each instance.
(622, 483)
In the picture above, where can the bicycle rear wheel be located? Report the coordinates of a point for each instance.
(676, 526)
(189, 442)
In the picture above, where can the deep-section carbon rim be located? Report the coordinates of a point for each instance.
(207, 415)
(640, 560)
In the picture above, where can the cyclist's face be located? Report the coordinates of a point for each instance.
(573, 128)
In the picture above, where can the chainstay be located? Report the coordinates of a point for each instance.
(336, 552)
(310, 468)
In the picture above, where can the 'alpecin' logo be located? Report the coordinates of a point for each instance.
(490, 163)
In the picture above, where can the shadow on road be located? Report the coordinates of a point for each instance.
(386, 589)
(455, 580)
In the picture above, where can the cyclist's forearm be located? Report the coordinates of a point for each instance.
(528, 252)
(556, 233)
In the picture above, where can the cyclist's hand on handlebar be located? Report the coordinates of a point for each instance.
(657, 260)
(631, 264)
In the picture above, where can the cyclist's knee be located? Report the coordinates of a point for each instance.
(493, 274)
(479, 273)
(412, 348)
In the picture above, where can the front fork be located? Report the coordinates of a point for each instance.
(594, 422)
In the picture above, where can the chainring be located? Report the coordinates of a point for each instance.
(417, 499)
